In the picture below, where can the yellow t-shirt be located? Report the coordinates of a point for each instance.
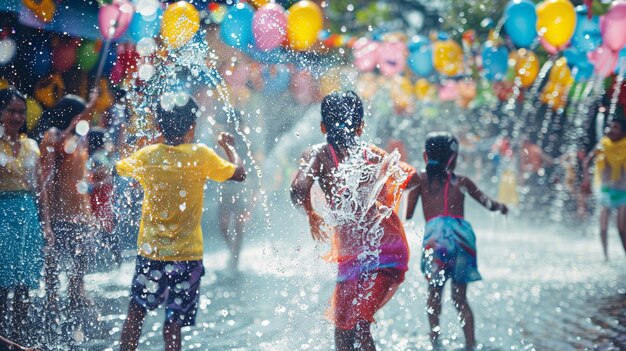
(18, 173)
(173, 180)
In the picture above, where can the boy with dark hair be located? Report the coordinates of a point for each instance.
(169, 261)
(611, 168)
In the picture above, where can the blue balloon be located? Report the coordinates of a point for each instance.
(495, 61)
(621, 62)
(417, 42)
(587, 35)
(141, 28)
(421, 61)
(236, 29)
(578, 62)
(521, 22)
(276, 78)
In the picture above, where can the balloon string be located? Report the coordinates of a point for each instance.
(106, 46)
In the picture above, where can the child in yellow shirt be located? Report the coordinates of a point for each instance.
(169, 261)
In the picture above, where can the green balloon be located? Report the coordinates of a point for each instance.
(86, 56)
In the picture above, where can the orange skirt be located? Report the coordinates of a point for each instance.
(357, 300)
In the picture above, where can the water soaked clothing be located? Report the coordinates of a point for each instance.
(449, 248)
(173, 283)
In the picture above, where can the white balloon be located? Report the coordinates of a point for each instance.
(7, 50)
(146, 46)
(147, 8)
(82, 128)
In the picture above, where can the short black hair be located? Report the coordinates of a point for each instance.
(61, 115)
(175, 121)
(621, 121)
(6, 96)
(342, 115)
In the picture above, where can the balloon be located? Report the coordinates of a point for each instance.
(236, 29)
(49, 90)
(304, 22)
(7, 51)
(421, 60)
(526, 67)
(87, 56)
(276, 79)
(550, 49)
(603, 60)
(259, 3)
(417, 42)
(422, 89)
(33, 113)
(520, 22)
(560, 72)
(180, 23)
(149, 9)
(577, 60)
(495, 61)
(63, 57)
(392, 57)
(141, 28)
(43, 9)
(613, 26)
(113, 19)
(448, 57)
(556, 21)
(587, 35)
(553, 94)
(269, 26)
(366, 54)
(449, 91)
(621, 63)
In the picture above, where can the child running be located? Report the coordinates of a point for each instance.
(449, 246)
(363, 286)
(169, 264)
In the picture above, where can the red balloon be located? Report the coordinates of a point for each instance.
(63, 57)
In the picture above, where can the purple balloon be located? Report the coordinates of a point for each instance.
(269, 26)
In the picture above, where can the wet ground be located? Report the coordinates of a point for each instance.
(543, 288)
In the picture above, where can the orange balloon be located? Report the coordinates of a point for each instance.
(526, 67)
(560, 72)
(422, 88)
(448, 57)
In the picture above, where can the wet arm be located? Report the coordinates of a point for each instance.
(478, 195)
(228, 144)
(303, 182)
(83, 116)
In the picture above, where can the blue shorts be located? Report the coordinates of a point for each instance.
(612, 197)
(173, 283)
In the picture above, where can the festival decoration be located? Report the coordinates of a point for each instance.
(495, 61)
(42, 9)
(420, 58)
(366, 54)
(49, 90)
(577, 60)
(448, 57)
(554, 93)
(556, 21)
(113, 19)
(392, 57)
(63, 57)
(520, 22)
(7, 50)
(87, 56)
(269, 26)
(526, 67)
(587, 35)
(304, 22)
(180, 23)
(145, 27)
(603, 60)
(423, 89)
(613, 26)
(236, 28)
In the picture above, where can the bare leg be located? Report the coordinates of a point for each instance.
(466, 316)
(344, 339)
(4, 306)
(76, 284)
(604, 225)
(621, 225)
(20, 312)
(240, 222)
(224, 215)
(172, 336)
(132, 327)
(434, 310)
(363, 336)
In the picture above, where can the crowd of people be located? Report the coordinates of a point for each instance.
(68, 188)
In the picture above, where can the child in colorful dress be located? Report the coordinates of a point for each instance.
(449, 246)
(169, 262)
(611, 169)
(363, 285)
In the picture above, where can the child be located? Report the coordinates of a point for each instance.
(611, 163)
(363, 287)
(449, 247)
(169, 262)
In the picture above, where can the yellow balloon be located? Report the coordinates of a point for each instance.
(33, 113)
(4, 83)
(180, 23)
(554, 95)
(560, 72)
(556, 21)
(304, 22)
(448, 57)
(526, 67)
(422, 88)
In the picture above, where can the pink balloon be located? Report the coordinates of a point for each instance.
(613, 26)
(366, 54)
(269, 26)
(118, 14)
(551, 49)
(63, 57)
(392, 58)
(117, 73)
(449, 91)
(604, 60)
